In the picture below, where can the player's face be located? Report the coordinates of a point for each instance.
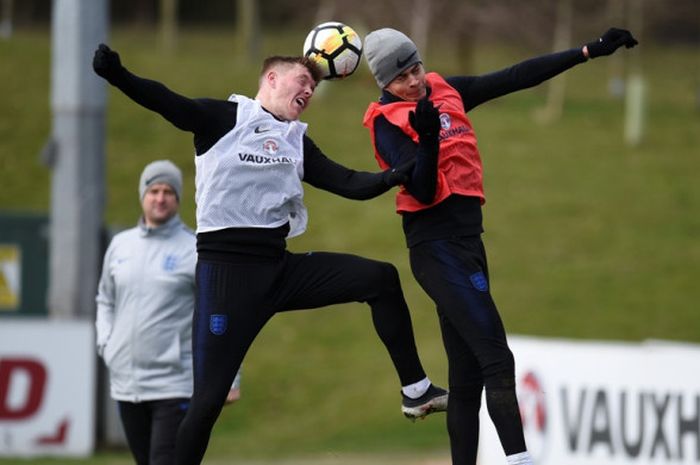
(159, 204)
(409, 85)
(293, 88)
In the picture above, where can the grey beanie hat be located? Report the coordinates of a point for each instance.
(389, 53)
(161, 171)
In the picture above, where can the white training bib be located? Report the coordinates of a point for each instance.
(251, 177)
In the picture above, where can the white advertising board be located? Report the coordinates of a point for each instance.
(597, 403)
(47, 388)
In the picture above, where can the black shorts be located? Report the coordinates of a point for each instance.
(454, 273)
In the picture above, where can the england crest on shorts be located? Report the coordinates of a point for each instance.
(479, 281)
(218, 324)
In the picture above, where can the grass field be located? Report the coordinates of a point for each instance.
(587, 237)
(328, 458)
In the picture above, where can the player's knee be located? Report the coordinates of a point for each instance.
(206, 408)
(386, 275)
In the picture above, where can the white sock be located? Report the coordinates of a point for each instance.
(415, 390)
(521, 458)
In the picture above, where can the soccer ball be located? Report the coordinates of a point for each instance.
(335, 47)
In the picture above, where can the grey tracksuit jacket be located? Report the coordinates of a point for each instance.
(145, 302)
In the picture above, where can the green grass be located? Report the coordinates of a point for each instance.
(587, 237)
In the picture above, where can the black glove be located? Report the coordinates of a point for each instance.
(400, 174)
(106, 62)
(610, 41)
(425, 120)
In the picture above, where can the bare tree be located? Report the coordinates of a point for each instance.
(248, 29)
(635, 91)
(168, 24)
(616, 82)
(326, 11)
(6, 19)
(556, 88)
(420, 24)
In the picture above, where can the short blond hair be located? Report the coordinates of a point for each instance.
(271, 62)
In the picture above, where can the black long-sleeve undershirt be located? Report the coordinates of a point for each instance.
(458, 215)
(210, 119)
(395, 147)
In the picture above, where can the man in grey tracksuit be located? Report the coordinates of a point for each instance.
(144, 318)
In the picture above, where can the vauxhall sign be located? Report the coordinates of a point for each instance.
(596, 403)
(644, 425)
(47, 388)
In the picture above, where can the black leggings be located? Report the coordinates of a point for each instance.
(454, 273)
(151, 427)
(235, 299)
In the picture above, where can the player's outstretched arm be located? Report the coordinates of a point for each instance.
(324, 173)
(193, 115)
(476, 90)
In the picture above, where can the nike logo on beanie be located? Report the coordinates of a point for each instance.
(401, 63)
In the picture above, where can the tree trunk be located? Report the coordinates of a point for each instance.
(635, 90)
(616, 65)
(248, 30)
(6, 19)
(556, 88)
(168, 25)
(420, 25)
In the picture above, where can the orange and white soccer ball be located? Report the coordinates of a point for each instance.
(335, 47)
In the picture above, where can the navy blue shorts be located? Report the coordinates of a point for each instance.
(454, 273)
